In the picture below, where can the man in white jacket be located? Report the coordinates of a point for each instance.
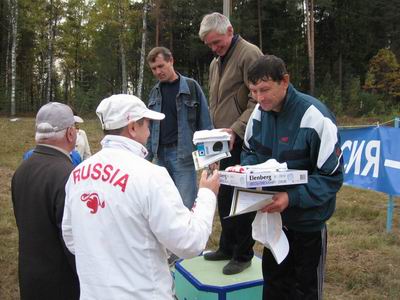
(82, 143)
(122, 212)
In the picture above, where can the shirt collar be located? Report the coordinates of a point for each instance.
(232, 45)
(124, 143)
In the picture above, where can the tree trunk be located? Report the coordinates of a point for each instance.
(7, 59)
(14, 31)
(66, 86)
(340, 67)
(142, 52)
(50, 54)
(226, 8)
(171, 29)
(259, 24)
(157, 2)
(122, 52)
(309, 18)
(123, 68)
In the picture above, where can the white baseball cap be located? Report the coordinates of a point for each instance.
(119, 110)
(53, 117)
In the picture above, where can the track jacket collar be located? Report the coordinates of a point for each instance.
(123, 143)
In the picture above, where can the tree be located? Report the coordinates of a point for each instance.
(142, 51)
(259, 23)
(157, 13)
(14, 32)
(84, 50)
(383, 76)
(121, 18)
(51, 34)
(309, 19)
(73, 51)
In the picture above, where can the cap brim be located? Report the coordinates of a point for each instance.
(78, 119)
(153, 115)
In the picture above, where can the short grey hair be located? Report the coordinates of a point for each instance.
(43, 137)
(213, 22)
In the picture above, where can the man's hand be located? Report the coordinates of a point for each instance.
(211, 182)
(233, 136)
(214, 166)
(279, 204)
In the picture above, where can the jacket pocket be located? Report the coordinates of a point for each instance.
(241, 99)
(152, 103)
(238, 109)
(192, 108)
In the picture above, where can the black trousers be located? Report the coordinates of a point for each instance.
(235, 237)
(301, 274)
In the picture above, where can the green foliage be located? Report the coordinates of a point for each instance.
(283, 36)
(352, 92)
(357, 102)
(88, 100)
(90, 35)
(383, 76)
(330, 94)
(372, 104)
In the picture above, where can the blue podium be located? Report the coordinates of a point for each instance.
(198, 279)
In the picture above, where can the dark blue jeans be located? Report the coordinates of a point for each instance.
(182, 172)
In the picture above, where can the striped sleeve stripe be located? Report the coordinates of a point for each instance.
(322, 262)
(255, 115)
(326, 130)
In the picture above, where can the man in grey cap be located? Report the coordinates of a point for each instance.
(46, 268)
(122, 211)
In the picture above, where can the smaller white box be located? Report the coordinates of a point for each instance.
(263, 178)
(212, 147)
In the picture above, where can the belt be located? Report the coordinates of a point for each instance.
(170, 145)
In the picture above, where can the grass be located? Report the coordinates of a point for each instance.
(363, 260)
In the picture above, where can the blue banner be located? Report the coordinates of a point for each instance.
(372, 158)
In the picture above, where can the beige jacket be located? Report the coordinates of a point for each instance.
(230, 103)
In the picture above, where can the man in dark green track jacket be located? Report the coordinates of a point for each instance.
(295, 128)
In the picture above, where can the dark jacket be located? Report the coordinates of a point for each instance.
(46, 268)
(304, 135)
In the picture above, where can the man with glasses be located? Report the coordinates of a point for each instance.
(46, 268)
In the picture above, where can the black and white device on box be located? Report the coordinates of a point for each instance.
(212, 147)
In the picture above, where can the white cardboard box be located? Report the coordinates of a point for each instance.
(262, 178)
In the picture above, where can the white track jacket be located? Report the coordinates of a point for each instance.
(121, 213)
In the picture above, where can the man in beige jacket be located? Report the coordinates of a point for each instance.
(230, 109)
